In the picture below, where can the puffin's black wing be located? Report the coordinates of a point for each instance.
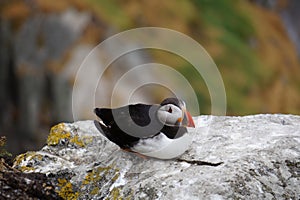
(126, 125)
(115, 135)
(138, 114)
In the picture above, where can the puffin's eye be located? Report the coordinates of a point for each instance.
(170, 110)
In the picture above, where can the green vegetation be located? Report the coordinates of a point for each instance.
(245, 41)
(112, 12)
(235, 31)
(225, 15)
(249, 44)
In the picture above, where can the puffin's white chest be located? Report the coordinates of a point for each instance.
(162, 147)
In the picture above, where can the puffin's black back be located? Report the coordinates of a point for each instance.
(126, 125)
(138, 114)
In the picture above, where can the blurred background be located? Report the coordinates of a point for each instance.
(255, 44)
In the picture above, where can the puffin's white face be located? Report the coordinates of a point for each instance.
(170, 114)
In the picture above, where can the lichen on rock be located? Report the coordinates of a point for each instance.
(26, 161)
(66, 190)
(60, 135)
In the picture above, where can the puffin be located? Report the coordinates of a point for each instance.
(157, 130)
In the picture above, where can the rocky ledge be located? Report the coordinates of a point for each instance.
(251, 157)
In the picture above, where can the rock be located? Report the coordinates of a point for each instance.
(19, 185)
(251, 157)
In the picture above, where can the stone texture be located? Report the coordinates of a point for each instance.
(260, 155)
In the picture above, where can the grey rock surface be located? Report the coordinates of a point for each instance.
(260, 157)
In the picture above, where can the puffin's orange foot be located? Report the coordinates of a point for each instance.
(136, 153)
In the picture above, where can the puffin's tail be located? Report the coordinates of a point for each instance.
(104, 114)
(102, 128)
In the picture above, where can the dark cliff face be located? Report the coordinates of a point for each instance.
(42, 46)
(34, 92)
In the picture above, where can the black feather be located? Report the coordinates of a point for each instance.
(126, 125)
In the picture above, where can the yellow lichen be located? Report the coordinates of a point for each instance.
(116, 176)
(30, 155)
(77, 141)
(18, 160)
(57, 133)
(92, 176)
(115, 194)
(96, 175)
(27, 169)
(94, 191)
(66, 190)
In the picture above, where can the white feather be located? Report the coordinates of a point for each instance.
(162, 147)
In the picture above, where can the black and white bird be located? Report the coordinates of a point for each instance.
(158, 130)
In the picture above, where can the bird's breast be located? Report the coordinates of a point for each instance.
(162, 147)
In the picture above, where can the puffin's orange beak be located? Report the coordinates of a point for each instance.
(187, 119)
(190, 121)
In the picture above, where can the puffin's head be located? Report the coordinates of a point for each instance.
(173, 111)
